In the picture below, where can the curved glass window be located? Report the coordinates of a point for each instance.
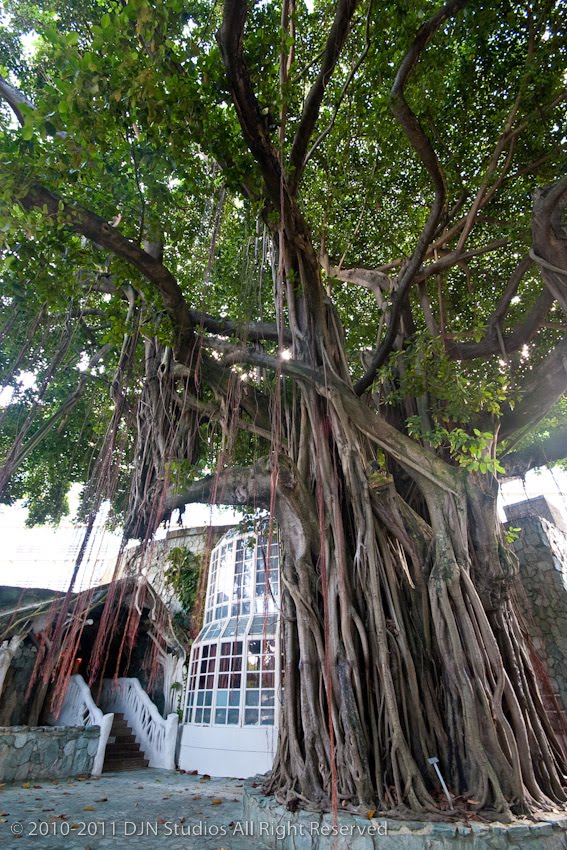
(234, 661)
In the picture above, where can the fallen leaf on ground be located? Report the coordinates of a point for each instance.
(216, 802)
(102, 800)
(88, 808)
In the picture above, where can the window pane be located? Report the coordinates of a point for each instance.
(268, 699)
(267, 717)
(233, 716)
(252, 697)
(251, 717)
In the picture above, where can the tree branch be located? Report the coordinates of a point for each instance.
(230, 38)
(492, 341)
(14, 99)
(406, 451)
(237, 486)
(100, 231)
(550, 239)
(251, 331)
(543, 387)
(378, 281)
(421, 144)
(518, 463)
(335, 41)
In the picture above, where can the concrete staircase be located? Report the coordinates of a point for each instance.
(122, 750)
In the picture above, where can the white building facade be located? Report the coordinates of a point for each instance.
(232, 703)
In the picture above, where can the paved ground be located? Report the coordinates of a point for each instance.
(139, 809)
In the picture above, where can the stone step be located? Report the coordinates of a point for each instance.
(121, 726)
(115, 765)
(118, 747)
(122, 739)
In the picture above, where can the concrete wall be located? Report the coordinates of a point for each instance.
(154, 559)
(46, 752)
(241, 751)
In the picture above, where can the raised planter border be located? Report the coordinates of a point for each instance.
(279, 829)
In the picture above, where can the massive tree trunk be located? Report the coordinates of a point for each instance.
(401, 641)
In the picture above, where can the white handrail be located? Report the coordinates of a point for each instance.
(79, 709)
(157, 736)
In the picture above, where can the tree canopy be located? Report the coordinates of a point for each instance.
(309, 257)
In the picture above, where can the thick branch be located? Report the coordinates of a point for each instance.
(237, 486)
(421, 144)
(492, 344)
(541, 390)
(550, 239)
(453, 258)
(14, 99)
(412, 456)
(100, 231)
(377, 280)
(518, 463)
(251, 331)
(230, 38)
(335, 41)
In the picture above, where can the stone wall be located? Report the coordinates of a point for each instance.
(46, 752)
(541, 548)
(275, 827)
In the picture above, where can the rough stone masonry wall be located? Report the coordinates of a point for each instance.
(541, 548)
(46, 752)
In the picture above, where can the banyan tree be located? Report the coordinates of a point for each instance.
(309, 258)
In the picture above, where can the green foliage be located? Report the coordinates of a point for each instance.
(512, 533)
(457, 392)
(182, 575)
(132, 119)
(471, 451)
